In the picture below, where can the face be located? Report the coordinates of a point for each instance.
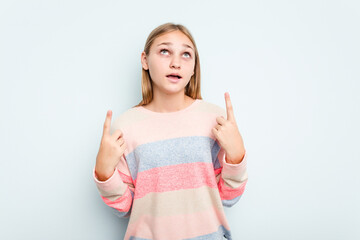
(171, 53)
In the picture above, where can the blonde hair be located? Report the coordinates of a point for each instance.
(192, 89)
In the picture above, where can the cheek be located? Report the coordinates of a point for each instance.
(191, 64)
(159, 64)
(190, 67)
(155, 66)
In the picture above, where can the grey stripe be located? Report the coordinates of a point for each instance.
(171, 152)
(231, 202)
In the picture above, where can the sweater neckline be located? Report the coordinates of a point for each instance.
(170, 113)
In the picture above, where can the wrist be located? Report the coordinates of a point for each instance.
(103, 174)
(234, 158)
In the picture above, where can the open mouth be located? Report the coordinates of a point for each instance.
(173, 76)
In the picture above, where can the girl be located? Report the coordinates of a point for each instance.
(171, 163)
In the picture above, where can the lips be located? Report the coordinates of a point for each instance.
(174, 76)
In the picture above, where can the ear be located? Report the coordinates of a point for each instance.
(144, 61)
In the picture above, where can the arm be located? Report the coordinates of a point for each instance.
(231, 178)
(117, 191)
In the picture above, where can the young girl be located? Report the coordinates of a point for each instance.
(172, 162)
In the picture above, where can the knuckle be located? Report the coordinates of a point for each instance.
(114, 147)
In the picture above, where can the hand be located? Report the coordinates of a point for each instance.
(112, 147)
(228, 135)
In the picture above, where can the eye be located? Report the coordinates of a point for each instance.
(163, 50)
(188, 54)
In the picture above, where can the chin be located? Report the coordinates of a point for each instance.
(174, 90)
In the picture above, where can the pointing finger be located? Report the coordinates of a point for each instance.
(229, 108)
(107, 123)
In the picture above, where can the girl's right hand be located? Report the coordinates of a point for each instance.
(112, 147)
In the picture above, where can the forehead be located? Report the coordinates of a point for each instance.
(175, 38)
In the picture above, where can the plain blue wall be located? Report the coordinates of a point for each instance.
(292, 70)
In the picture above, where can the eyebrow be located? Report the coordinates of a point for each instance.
(169, 43)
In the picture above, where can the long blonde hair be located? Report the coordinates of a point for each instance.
(192, 89)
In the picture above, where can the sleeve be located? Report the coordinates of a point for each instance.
(231, 178)
(118, 191)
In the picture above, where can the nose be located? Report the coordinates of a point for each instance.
(175, 62)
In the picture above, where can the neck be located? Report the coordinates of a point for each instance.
(163, 102)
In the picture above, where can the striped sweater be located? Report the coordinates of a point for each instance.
(172, 181)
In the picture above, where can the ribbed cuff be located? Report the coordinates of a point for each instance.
(235, 169)
(114, 183)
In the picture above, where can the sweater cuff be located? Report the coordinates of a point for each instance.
(230, 169)
(112, 186)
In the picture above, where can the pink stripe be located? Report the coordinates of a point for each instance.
(217, 171)
(123, 203)
(175, 177)
(178, 226)
(125, 177)
(227, 193)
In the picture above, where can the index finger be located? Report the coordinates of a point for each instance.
(107, 123)
(229, 108)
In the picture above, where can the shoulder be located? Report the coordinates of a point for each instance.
(126, 119)
(211, 108)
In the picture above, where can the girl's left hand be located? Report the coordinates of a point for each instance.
(228, 135)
